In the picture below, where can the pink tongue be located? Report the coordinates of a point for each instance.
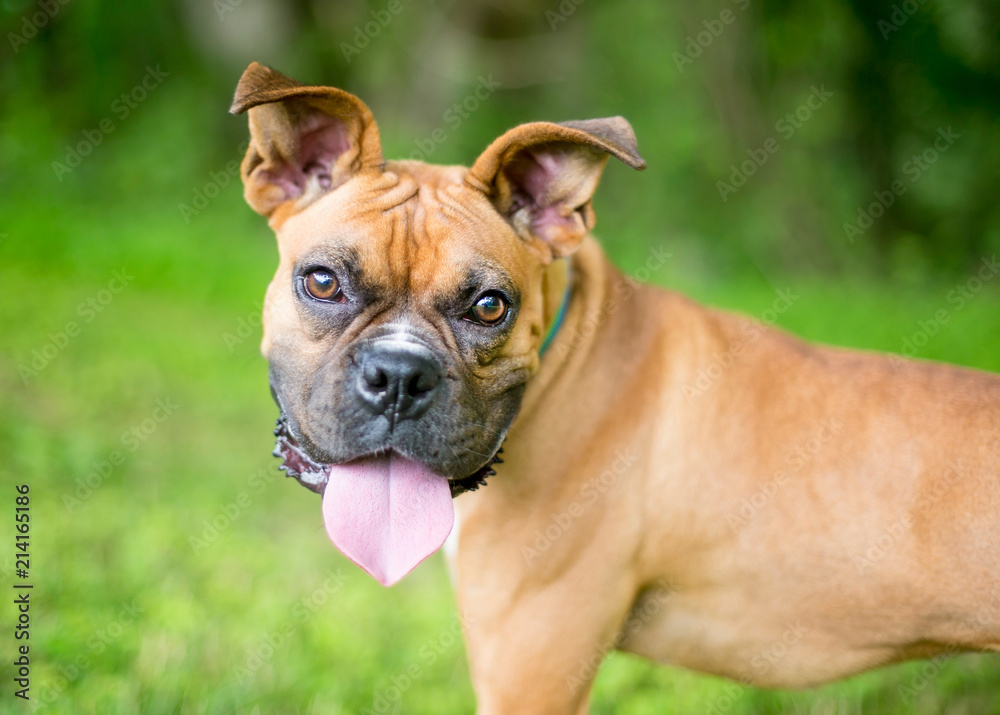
(387, 514)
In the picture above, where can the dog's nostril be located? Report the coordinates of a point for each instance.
(421, 383)
(375, 376)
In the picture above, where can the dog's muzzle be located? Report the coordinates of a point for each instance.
(313, 475)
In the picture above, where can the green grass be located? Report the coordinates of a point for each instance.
(201, 617)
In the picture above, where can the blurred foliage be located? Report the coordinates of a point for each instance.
(703, 95)
(153, 193)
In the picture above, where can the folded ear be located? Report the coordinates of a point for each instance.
(304, 141)
(541, 177)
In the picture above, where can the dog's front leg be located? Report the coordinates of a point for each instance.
(538, 655)
(535, 642)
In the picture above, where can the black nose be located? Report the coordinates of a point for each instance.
(398, 380)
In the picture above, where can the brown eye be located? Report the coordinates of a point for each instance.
(322, 285)
(490, 309)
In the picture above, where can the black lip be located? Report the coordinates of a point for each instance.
(296, 463)
(313, 475)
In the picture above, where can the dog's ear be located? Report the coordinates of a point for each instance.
(304, 141)
(541, 177)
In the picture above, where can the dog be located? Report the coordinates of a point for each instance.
(676, 482)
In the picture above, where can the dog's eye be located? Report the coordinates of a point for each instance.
(490, 309)
(322, 285)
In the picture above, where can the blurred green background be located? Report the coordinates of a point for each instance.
(175, 569)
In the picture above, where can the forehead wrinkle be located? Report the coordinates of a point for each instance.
(427, 266)
(461, 244)
(389, 223)
(450, 205)
(400, 245)
(386, 198)
(428, 261)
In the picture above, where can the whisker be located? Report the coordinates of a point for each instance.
(486, 429)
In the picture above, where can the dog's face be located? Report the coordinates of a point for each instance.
(408, 307)
(405, 315)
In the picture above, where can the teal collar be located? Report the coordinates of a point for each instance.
(550, 334)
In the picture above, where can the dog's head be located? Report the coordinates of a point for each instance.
(406, 313)
(409, 304)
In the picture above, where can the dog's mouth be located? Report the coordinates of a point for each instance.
(314, 475)
(384, 511)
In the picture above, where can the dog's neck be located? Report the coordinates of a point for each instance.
(587, 268)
